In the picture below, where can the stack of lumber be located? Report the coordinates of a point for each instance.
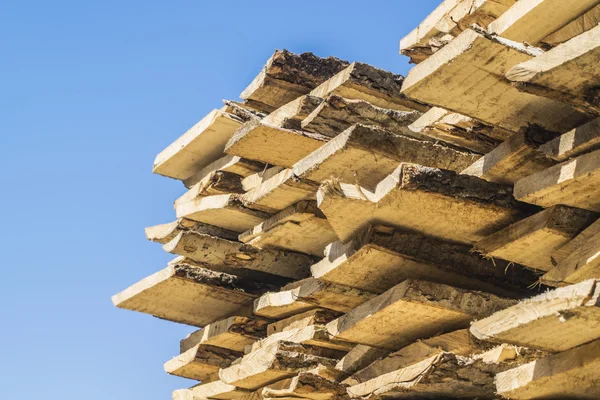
(348, 233)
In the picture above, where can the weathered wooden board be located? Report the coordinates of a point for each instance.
(572, 374)
(531, 21)
(576, 142)
(290, 115)
(314, 335)
(301, 227)
(211, 250)
(273, 145)
(232, 333)
(198, 147)
(573, 183)
(201, 362)
(336, 114)
(190, 295)
(582, 24)
(318, 316)
(164, 233)
(287, 76)
(311, 385)
(557, 320)
(365, 82)
(582, 264)
(214, 184)
(567, 73)
(216, 390)
(471, 70)
(225, 211)
(459, 130)
(379, 258)
(449, 19)
(565, 251)
(272, 363)
(309, 294)
(256, 179)
(533, 240)
(359, 357)
(434, 202)
(231, 164)
(516, 158)
(413, 310)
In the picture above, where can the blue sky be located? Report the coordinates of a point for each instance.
(90, 92)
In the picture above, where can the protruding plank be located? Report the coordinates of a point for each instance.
(576, 142)
(270, 364)
(164, 233)
(449, 19)
(458, 130)
(413, 310)
(444, 375)
(232, 333)
(318, 316)
(458, 342)
(242, 110)
(364, 82)
(189, 295)
(273, 145)
(336, 114)
(521, 22)
(287, 76)
(514, 159)
(201, 362)
(572, 374)
(313, 385)
(256, 179)
(290, 115)
(566, 73)
(434, 202)
(582, 24)
(533, 240)
(582, 264)
(198, 147)
(554, 321)
(565, 251)
(574, 183)
(230, 164)
(301, 227)
(314, 335)
(359, 357)
(182, 394)
(217, 390)
(212, 250)
(214, 184)
(376, 260)
(471, 70)
(307, 295)
(225, 211)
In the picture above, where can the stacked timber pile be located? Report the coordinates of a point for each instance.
(349, 233)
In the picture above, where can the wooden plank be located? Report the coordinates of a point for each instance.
(256, 179)
(572, 374)
(232, 333)
(313, 335)
(358, 358)
(566, 73)
(164, 233)
(189, 295)
(211, 250)
(214, 184)
(290, 115)
(318, 316)
(270, 364)
(376, 260)
(287, 76)
(521, 22)
(449, 19)
(364, 82)
(458, 130)
(413, 310)
(471, 70)
(445, 375)
(458, 342)
(308, 295)
(231, 164)
(225, 211)
(216, 390)
(582, 264)
(434, 202)
(301, 227)
(307, 385)
(557, 320)
(516, 158)
(582, 24)
(199, 146)
(242, 110)
(565, 251)
(273, 145)
(573, 183)
(533, 240)
(576, 142)
(201, 362)
(336, 114)
(182, 394)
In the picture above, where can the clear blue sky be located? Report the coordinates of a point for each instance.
(90, 92)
